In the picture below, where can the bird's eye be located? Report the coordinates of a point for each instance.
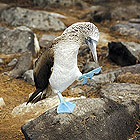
(88, 38)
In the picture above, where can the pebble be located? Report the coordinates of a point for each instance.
(1, 61)
(13, 62)
(2, 103)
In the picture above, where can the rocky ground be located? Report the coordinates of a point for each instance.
(118, 81)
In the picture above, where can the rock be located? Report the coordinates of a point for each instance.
(89, 66)
(124, 74)
(101, 15)
(41, 106)
(124, 53)
(29, 77)
(24, 63)
(2, 103)
(46, 39)
(55, 3)
(92, 119)
(3, 6)
(41, 20)
(13, 62)
(121, 91)
(119, 12)
(1, 61)
(135, 20)
(18, 40)
(134, 69)
(128, 29)
(109, 77)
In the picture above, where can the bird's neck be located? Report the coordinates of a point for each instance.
(66, 57)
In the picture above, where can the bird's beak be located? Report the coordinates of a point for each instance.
(92, 45)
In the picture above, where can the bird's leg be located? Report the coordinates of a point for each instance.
(89, 75)
(64, 107)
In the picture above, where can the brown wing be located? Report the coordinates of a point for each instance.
(42, 72)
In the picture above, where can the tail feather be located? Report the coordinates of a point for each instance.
(37, 91)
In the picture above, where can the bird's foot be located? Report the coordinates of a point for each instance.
(89, 75)
(65, 107)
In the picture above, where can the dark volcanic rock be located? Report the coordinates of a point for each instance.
(124, 53)
(101, 15)
(18, 40)
(92, 119)
(42, 20)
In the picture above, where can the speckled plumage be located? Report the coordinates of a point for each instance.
(64, 50)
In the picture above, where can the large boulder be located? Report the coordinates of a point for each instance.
(92, 119)
(18, 40)
(42, 20)
(124, 53)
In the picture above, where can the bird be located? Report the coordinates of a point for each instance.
(57, 69)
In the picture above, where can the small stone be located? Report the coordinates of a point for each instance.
(135, 20)
(89, 66)
(28, 76)
(1, 61)
(2, 103)
(46, 39)
(13, 62)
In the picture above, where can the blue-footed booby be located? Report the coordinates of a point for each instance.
(57, 66)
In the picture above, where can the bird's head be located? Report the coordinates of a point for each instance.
(91, 38)
(84, 32)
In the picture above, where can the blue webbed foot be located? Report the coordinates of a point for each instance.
(89, 75)
(65, 107)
